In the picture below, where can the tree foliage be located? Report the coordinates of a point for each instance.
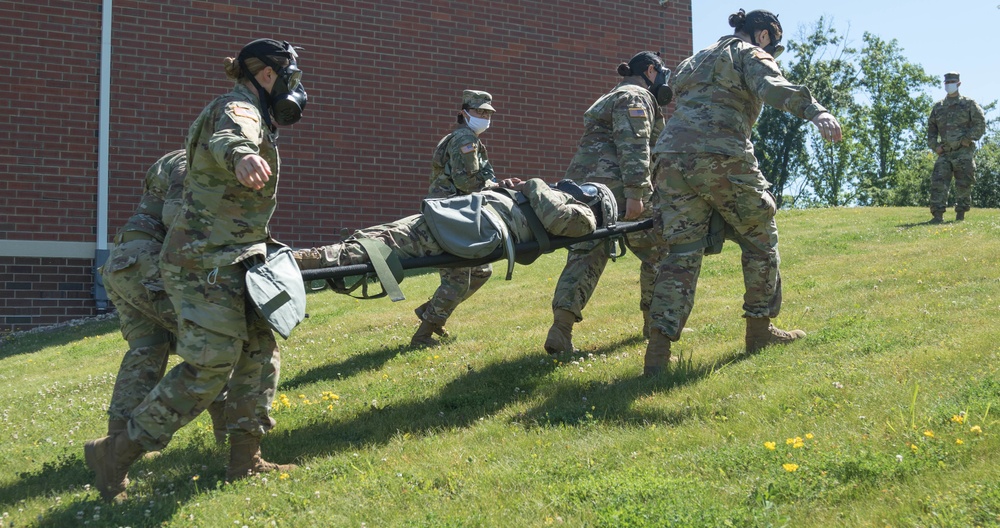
(894, 117)
(780, 138)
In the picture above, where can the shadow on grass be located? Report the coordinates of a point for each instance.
(172, 487)
(487, 391)
(27, 343)
(927, 223)
(576, 402)
(349, 367)
(463, 401)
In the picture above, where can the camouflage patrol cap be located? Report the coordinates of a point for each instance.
(477, 99)
(951, 77)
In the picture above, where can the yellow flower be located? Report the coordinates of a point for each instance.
(769, 445)
(790, 467)
(914, 448)
(194, 477)
(975, 429)
(809, 436)
(958, 419)
(283, 476)
(790, 441)
(798, 443)
(959, 441)
(929, 434)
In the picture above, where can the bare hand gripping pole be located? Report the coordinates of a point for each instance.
(526, 250)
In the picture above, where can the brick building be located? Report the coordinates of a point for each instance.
(99, 90)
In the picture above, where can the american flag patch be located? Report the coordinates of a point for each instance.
(471, 147)
(636, 111)
(242, 111)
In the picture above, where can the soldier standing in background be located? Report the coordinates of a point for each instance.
(460, 166)
(229, 196)
(705, 163)
(620, 129)
(955, 124)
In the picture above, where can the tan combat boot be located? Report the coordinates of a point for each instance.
(761, 333)
(245, 459)
(109, 458)
(419, 311)
(657, 353)
(424, 335)
(217, 410)
(560, 338)
(937, 218)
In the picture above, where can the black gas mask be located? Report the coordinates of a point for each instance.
(760, 19)
(288, 97)
(660, 89)
(657, 86)
(774, 48)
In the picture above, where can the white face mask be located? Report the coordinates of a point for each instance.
(951, 88)
(477, 124)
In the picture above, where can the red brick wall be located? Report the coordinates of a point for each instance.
(384, 81)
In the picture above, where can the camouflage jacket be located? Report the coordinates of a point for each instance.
(163, 181)
(557, 211)
(719, 93)
(955, 121)
(220, 219)
(460, 165)
(619, 131)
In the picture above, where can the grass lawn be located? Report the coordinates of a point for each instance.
(882, 416)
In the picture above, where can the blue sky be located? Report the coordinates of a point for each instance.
(941, 36)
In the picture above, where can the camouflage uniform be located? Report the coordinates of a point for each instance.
(460, 166)
(147, 317)
(221, 224)
(955, 124)
(132, 279)
(410, 237)
(705, 162)
(620, 129)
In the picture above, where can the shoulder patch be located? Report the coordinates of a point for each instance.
(238, 110)
(636, 111)
(466, 149)
(762, 55)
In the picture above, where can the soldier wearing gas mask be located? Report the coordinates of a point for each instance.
(705, 166)
(229, 197)
(615, 150)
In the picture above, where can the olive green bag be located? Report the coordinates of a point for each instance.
(276, 289)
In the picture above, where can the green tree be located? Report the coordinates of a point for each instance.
(986, 191)
(891, 125)
(820, 62)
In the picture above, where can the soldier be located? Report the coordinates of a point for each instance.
(460, 166)
(955, 124)
(148, 321)
(619, 131)
(705, 164)
(229, 197)
(567, 210)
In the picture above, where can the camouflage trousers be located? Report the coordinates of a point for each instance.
(585, 263)
(221, 345)
(409, 237)
(962, 165)
(132, 279)
(457, 285)
(689, 187)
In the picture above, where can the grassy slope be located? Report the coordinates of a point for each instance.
(489, 431)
